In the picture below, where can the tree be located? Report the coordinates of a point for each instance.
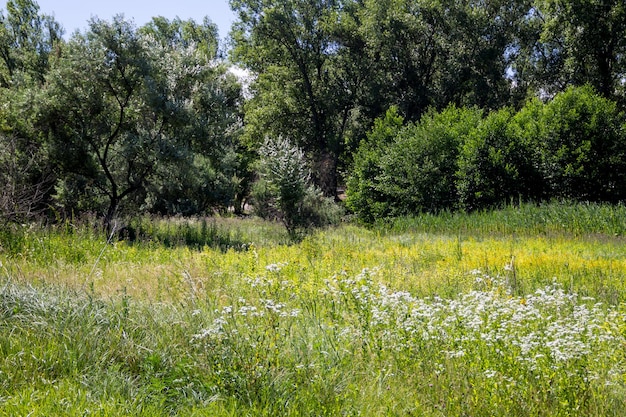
(27, 39)
(178, 33)
(432, 54)
(419, 169)
(365, 196)
(103, 133)
(298, 93)
(326, 68)
(25, 179)
(576, 42)
(217, 172)
(128, 114)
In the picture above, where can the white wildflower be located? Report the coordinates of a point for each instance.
(490, 373)
(276, 267)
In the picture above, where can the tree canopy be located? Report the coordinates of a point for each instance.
(414, 104)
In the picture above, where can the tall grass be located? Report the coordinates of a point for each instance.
(526, 219)
(351, 347)
(456, 315)
(221, 233)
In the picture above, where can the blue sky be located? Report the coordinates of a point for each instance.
(74, 14)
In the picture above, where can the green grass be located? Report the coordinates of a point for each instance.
(483, 314)
(557, 218)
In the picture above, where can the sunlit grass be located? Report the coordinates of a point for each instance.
(467, 317)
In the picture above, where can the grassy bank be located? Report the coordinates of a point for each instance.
(516, 312)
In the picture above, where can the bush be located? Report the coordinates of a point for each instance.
(400, 171)
(284, 191)
(583, 139)
(573, 148)
(496, 165)
(365, 196)
(420, 167)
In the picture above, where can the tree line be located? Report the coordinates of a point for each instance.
(572, 148)
(120, 119)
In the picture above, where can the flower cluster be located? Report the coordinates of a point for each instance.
(550, 327)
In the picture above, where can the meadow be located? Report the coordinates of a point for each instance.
(517, 312)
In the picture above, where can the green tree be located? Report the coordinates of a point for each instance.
(575, 42)
(325, 69)
(184, 34)
(432, 54)
(217, 173)
(101, 134)
(419, 169)
(27, 38)
(27, 41)
(25, 178)
(129, 115)
(298, 92)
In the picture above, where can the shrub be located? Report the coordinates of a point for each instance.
(573, 148)
(495, 164)
(584, 147)
(420, 167)
(400, 171)
(364, 190)
(284, 191)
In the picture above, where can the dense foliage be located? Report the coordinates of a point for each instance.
(119, 120)
(571, 147)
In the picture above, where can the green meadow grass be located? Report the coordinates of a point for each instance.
(516, 312)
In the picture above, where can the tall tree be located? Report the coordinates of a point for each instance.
(124, 111)
(299, 94)
(436, 53)
(217, 175)
(101, 133)
(576, 42)
(26, 40)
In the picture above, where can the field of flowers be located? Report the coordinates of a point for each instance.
(467, 315)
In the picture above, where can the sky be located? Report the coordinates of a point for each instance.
(74, 14)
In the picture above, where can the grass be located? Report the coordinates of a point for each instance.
(516, 312)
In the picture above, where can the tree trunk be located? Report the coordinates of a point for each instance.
(108, 221)
(325, 173)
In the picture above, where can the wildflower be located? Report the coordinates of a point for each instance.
(249, 310)
(275, 267)
(490, 373)
(272, 306)
(455, 354)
